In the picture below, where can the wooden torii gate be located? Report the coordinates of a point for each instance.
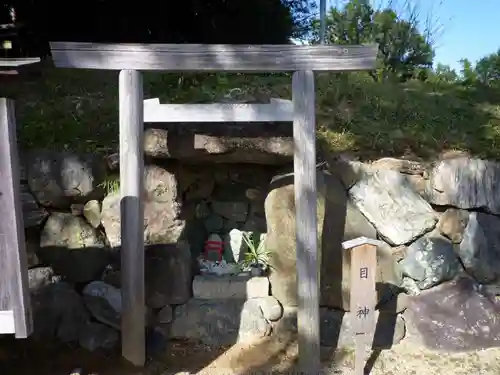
(303, 61)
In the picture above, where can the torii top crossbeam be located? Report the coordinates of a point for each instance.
(216, 57)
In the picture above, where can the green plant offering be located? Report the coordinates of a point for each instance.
(256, 254)
(110, 186)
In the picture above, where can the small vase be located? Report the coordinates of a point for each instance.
(256, 270)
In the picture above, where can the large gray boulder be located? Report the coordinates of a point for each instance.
(338, 220)
(479, 250)
(162, 222)
(430, 260)
(58, 179)
(389, 202)
(467, 183)
(73, 248)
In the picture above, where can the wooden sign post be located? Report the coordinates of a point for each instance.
(363, 294)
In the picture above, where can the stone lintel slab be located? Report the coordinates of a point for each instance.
(229, 287)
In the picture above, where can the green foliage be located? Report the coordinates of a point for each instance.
(302, 14)
(403, 50)
(416, 119)
(488, 69)
(76, 110)
(445, 74)
(256, 253)
(110, 185)
(468, 72)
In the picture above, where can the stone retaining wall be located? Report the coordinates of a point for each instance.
(438, 221)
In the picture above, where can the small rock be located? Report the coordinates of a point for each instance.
(73, 248)
(162, 222)
(102, 311)
(58, 179)
(32, 242)
(452, 224)
(92, 212)
(253, 194)
(349, 171)
(39, 277)
(96, 335)
(168, 272)
(410, 286)
(113, 162)
(105, 291)
(419, 184)
(252, 322)
(33, 214)
(58, 311)
(399, 253)
(165, 315)
(271, 308)
(430, 261)
(76, 209)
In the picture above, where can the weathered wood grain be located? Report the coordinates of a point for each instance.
(132, 215)
(363, 299)
(14, 290)
(215, 57)
(18, 61)
(218, 112)
(304, 134)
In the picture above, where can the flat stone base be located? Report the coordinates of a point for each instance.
(217, 323)
(229, 287)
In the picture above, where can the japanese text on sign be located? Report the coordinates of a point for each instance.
(363, 272)
(363, 312)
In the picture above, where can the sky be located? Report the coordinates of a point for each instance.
(467, 29)
(470, 30)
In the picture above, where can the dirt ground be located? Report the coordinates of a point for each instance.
(408, 358)
(266, 356)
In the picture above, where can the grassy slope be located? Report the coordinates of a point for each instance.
(77, 110)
